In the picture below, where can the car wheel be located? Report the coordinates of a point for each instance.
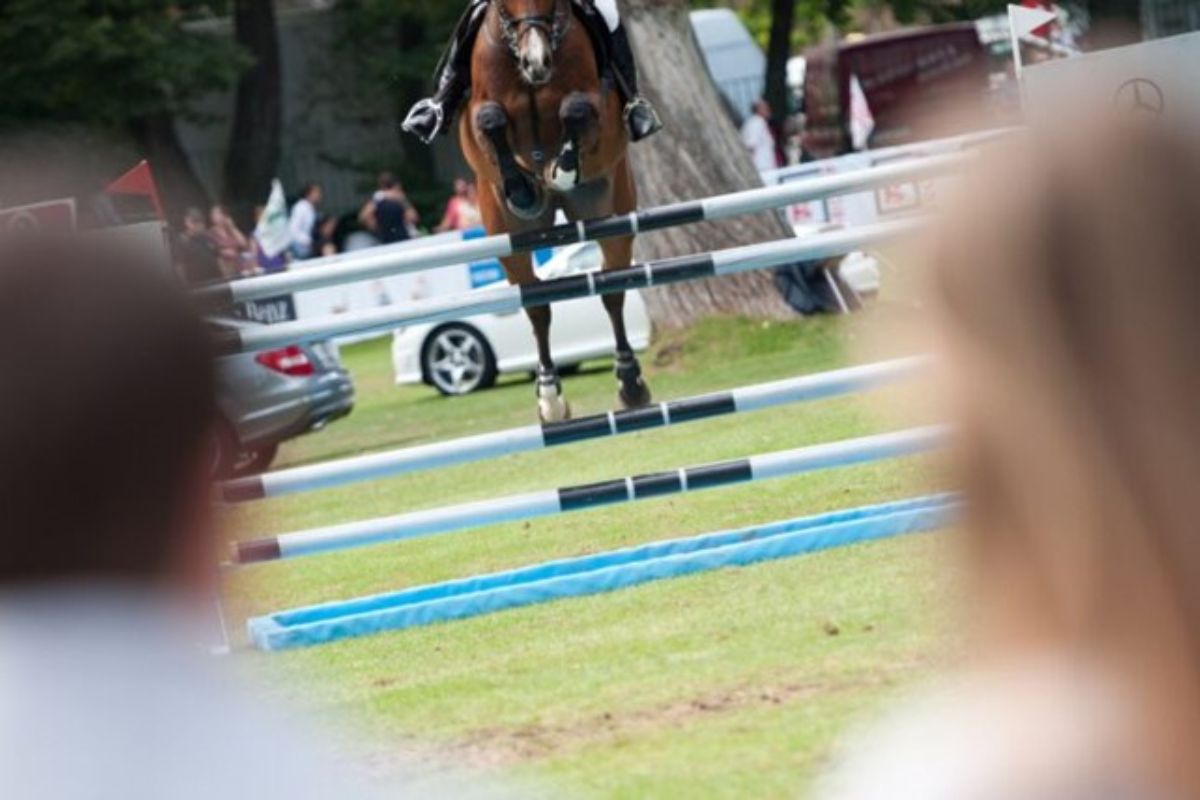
(458, 360)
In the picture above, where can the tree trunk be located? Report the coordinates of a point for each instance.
(254, 142)
(698, 155)
(177, 181)
(779, 51)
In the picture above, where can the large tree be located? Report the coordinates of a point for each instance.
(257, 131)
(699, 154)
(121, 67)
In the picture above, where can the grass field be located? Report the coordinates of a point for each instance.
(730, 684)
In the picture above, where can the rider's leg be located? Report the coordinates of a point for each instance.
(434, 115)
(640, 115)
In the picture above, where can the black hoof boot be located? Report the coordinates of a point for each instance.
(521, 194)
(642, 119)
(631, 389)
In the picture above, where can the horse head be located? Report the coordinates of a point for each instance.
(533, 30)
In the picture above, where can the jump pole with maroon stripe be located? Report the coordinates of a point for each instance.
(577, 498)
(469, 449)
(370, 264)
(511, 299)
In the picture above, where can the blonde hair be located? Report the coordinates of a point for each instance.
(1069, 294)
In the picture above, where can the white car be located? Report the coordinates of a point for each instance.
(463, 356)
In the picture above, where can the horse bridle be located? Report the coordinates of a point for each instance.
(553, 25)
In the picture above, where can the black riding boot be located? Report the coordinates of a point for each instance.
(640, 116)
(435, 115)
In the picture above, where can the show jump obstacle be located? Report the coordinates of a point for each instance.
(510, 299)
(369, 264)
(329, 474)
(608, 571)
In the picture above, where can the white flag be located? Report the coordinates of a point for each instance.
(862, 121)
(1025, 21)
(272, 232)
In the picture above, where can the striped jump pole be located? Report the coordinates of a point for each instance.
(511, 299)
(538, 437)
(577, 498)
(341, 260)
(370, 264)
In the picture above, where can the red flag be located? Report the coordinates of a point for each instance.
(139, 182)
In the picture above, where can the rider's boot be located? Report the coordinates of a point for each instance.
(640, 116)
(435, 115)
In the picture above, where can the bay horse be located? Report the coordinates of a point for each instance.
(537, 88)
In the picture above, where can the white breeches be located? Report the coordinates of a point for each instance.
(608, 10)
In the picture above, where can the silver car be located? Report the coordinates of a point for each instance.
(269, 397)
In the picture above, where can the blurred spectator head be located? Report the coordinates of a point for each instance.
(1070, 307)
(104, 438)
(194, 221)
(312, 193)
(762, 108)
(461, 186)
(386, 180)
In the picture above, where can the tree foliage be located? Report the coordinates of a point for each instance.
(107, 62)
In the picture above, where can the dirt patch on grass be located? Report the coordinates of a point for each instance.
(501, 746)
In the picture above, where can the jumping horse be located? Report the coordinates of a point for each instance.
(543, 132)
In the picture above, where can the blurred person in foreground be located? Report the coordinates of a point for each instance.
(1069, 336)
(109, 541)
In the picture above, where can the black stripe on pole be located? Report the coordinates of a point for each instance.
(639, 419)
(719, 475)
(609, 228)
(576, 430)
(701, 408)
(621, 280)
(662, 483)
(243, 490)
(547, 237)
(258, 551)
(653, 219)
(555, 291)
(683, 269)
(574, 498)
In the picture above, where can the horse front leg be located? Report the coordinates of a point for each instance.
(520, 193)
(580, 120)
(632, 391)
(552, 406)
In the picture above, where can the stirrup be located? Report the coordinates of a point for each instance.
(417, 122)
(649, 122)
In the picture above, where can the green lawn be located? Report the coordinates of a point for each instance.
(730, 684)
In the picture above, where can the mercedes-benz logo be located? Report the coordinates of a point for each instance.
(1140, 97)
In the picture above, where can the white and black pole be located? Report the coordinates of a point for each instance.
(510, 299)
(372, 264)
(577, 498)
(470, 449)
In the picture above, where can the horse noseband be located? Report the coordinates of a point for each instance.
(553, 25)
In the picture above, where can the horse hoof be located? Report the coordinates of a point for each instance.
(522, 196)
(553, 409)
(636, 396)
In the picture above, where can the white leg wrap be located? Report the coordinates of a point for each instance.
(551, 405)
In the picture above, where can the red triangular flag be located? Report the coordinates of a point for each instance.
(139, 181)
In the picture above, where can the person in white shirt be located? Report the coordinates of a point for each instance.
(303, 220)
(758, 139)
(107, 687)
